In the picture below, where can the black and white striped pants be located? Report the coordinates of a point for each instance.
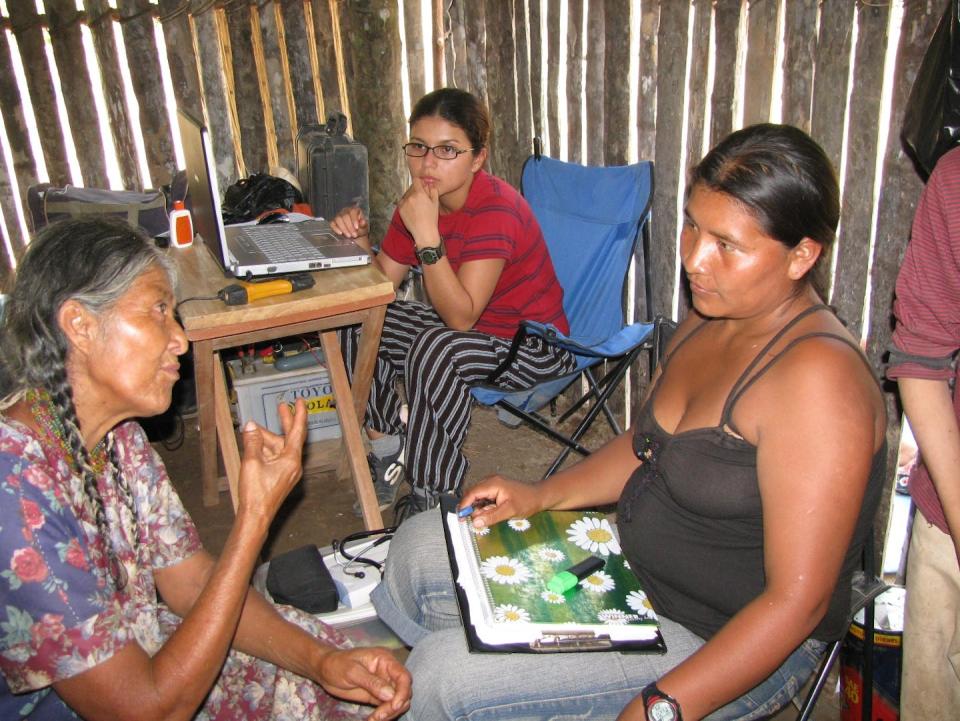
(438, 366)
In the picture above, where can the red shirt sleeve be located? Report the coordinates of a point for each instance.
(398, 243)
(927, 306)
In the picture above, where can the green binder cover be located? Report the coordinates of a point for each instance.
(501, 579)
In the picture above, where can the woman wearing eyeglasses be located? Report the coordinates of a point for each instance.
(485, 268)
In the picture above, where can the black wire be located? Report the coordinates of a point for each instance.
(199, 297)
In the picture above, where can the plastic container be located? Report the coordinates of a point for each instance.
(181, 226)
(887, 660)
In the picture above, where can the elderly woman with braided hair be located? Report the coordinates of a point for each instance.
(109, 606)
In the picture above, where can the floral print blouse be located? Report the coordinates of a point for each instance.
(60, 613)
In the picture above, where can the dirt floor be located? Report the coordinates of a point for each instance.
(320, 508)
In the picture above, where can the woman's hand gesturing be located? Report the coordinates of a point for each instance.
(271, 463)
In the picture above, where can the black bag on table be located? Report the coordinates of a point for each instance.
(931, 123)
(250, 197)
(48, 204)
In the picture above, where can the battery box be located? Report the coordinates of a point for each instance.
(262, 387)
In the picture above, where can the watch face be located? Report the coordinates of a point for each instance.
(661, 710)
(428, 255)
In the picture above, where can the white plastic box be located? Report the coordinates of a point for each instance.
(259, 392)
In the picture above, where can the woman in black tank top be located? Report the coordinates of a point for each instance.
(754, 467)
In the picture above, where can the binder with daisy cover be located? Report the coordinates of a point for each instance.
(502, 574)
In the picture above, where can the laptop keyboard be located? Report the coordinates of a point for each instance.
(278, 243)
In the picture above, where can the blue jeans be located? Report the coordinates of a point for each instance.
(417, 600)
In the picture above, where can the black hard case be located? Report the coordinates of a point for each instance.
(332, 168)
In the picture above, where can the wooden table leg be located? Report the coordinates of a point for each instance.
(349, 416)
(367, 359)
(363, 371)
(225, 432)
(203, 360)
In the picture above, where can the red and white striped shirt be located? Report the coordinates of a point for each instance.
(496, 222)
(927, 307)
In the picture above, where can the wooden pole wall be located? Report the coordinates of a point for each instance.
(898, 195)
(181, 59)
(636, 86)
(28, 31)
(136, 19)
(101, 19)
(853, 250)
(374, 56)
(616, 81)
(575, 69)
(596, 44)
(25, 171)
(800, 19)
(64, 22)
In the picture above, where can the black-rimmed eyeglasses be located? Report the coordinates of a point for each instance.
(444, 152)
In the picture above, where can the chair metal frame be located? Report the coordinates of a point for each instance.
(598, 391)
(865, 587)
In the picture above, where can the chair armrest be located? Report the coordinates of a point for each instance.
(518, 338)
(600, 348)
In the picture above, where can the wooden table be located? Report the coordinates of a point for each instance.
(340, 298)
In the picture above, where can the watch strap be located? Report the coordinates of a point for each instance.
(430, 255)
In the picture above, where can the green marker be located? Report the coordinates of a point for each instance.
(565, 580)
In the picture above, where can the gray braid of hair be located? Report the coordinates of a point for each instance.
(124, 491)
(62, 401)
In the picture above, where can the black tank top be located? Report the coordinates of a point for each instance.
(691, 521)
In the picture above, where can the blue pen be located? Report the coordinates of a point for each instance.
(479, 503)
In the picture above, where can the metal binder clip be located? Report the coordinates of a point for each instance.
(554, 641)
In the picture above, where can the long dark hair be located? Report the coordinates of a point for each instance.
(459, 108)
(783, 177)
(93, 261)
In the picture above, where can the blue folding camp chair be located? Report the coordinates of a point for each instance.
(592, 219)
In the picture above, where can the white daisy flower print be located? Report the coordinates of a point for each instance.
(508, 613)
(638, 601)
(519, 524)
(553, 597)
(551, 555)
(599, 582)
(614, 617)
(506, 570)
(594, 535)
(483, 531)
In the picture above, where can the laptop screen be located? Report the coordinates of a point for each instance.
(202, 184)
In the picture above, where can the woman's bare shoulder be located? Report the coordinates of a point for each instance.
(825, 377)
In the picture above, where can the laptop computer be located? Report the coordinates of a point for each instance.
(245, 251)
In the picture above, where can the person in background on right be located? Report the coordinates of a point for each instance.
(923, 361)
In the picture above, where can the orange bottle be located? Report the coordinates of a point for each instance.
(181, 226)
